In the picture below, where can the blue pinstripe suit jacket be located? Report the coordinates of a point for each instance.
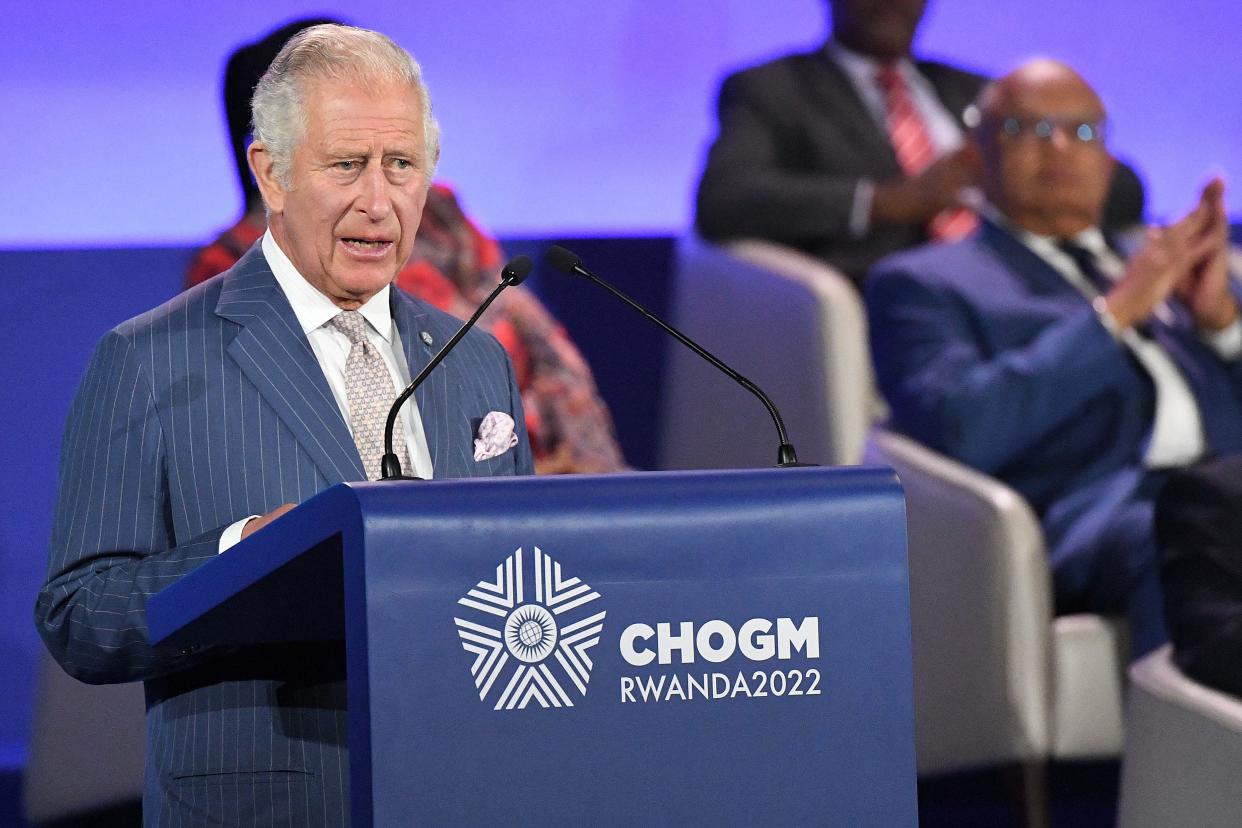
(190, 417)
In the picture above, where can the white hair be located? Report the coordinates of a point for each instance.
(331, 52)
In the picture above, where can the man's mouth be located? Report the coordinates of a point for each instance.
(367, 244)
(1058, 176)
(367, 249)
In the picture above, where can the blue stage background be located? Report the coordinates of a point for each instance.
(561, 119)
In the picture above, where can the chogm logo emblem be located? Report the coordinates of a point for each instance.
(525, 638)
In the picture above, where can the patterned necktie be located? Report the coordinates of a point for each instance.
(913, 147)
(1089, 267)
(369, 391)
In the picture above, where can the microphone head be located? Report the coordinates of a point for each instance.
(517, 270)
(563, 260)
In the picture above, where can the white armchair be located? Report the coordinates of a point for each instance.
(998, 680)
(997, 677)
(1183, 750)
(785, 321)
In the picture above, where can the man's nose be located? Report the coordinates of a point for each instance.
(1060, 137)
(374, 199)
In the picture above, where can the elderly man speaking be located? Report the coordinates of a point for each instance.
(202, 420)
(1038, 352)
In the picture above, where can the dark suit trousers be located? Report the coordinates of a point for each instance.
(1121, 572)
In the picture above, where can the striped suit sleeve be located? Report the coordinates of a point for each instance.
(112, 540)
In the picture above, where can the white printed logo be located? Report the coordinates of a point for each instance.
(532, 634)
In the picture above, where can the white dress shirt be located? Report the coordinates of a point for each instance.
(1177, 437)
(331, 347)
(942, 126)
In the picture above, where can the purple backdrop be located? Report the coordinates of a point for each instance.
(559, 116)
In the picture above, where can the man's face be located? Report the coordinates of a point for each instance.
(883, 29)
(1041, 171)
(358, 185)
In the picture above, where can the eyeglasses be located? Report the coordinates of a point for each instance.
(1043, 129)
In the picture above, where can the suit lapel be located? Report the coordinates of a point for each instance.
(438, 401)
(828, 82)
(952, 88)
(1038, 275)
(274, 354)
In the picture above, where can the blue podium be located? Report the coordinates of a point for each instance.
(685, 648)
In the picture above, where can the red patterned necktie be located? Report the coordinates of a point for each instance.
(913, 146)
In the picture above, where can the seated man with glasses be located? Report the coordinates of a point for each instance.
(1040, 353)
(854, 150)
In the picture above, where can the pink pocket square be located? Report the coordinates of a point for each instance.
(495, 436)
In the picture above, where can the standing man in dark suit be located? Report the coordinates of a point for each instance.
(204, 419)
(1038, 353)
(853, 151)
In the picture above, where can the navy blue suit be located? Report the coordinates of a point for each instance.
(192, 416)
(987, 354)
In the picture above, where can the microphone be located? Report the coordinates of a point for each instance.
(569, 262)
(513, 274)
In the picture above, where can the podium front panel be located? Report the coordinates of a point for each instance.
(726, 648)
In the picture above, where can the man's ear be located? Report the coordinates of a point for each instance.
(263, 166)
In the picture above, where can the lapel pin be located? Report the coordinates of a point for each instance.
(426, 338)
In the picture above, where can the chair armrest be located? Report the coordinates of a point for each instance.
(1158, 676)
(844, 357)
(789, 323)
(1183, 748)
(981, 611)
(1088, 668)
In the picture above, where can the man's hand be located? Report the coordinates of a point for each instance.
(1180, 259)
(916, 200)
(255, 524)
(1205, 288)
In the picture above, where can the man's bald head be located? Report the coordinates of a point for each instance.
(1039, 76)
(1040, 134)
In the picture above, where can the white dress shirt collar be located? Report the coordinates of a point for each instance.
(1048, 248)
(863, 69)
(1090, 239)
(312, 307)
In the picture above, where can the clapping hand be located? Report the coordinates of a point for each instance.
(1205, 287)
(1186, 259)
